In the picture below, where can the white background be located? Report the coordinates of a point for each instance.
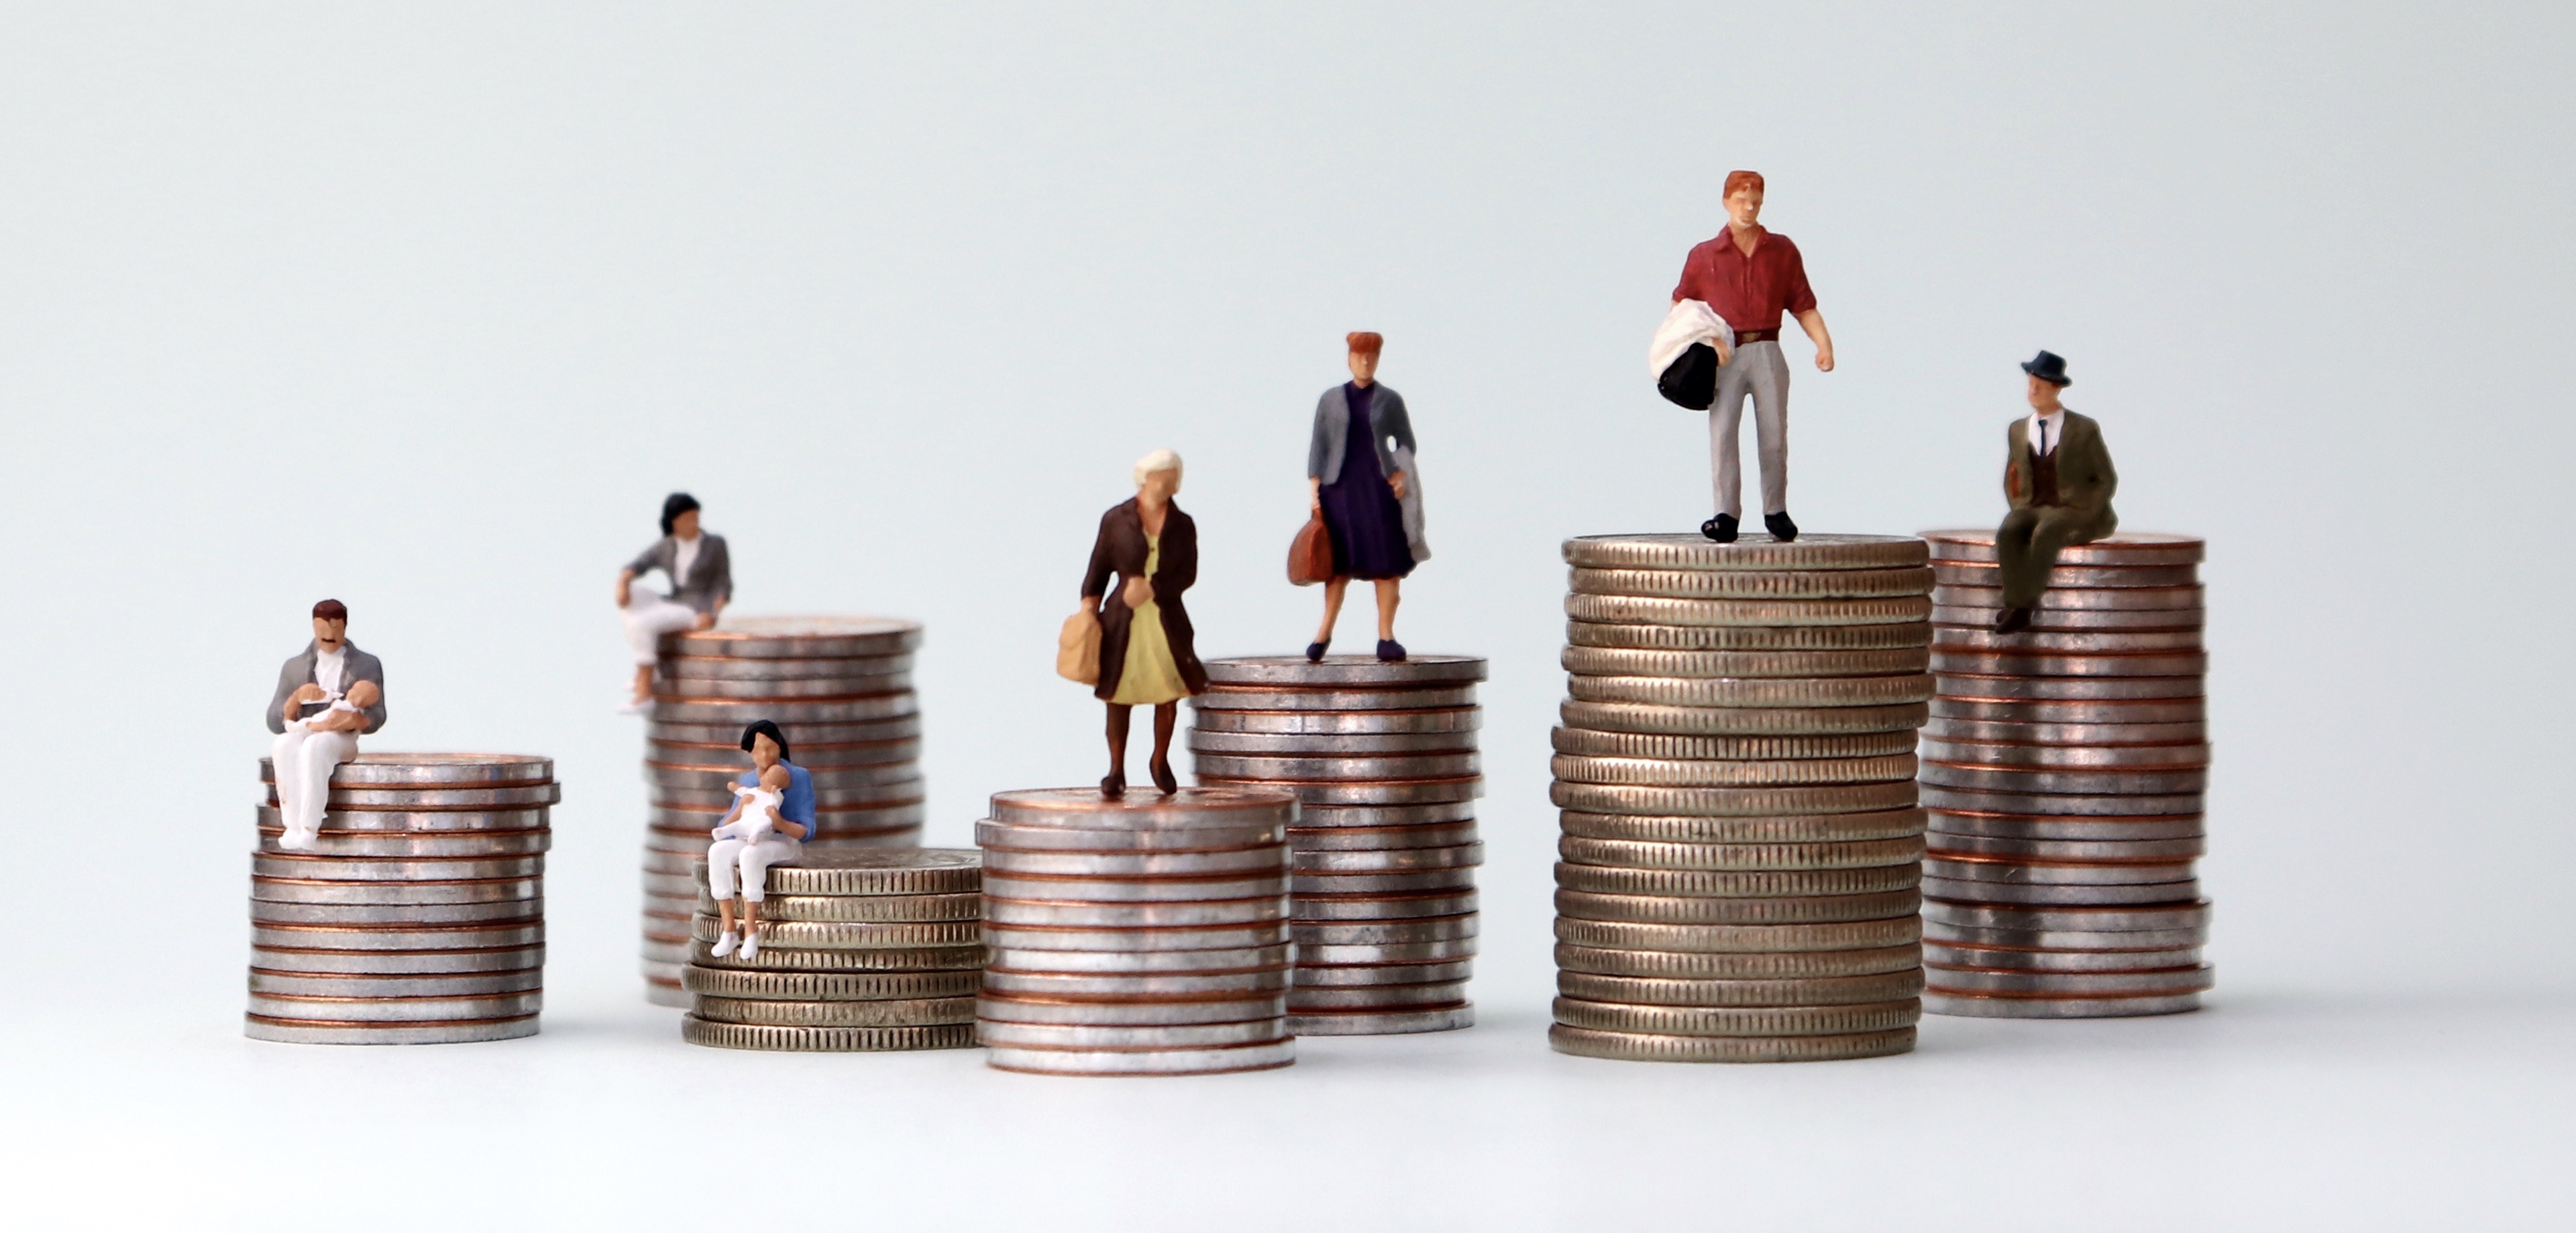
(426, 307)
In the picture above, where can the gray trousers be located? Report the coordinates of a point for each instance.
(1761, 370)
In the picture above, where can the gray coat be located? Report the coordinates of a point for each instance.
(710, 580)
(1333, 432)
(298, 673)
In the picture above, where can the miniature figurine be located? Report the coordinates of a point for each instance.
(1146, 652)
(1750, 277)
(1370, 499)
(701, 574)
(771, 818)
(2058, 477)
(327, 696)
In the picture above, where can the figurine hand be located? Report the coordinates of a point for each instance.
(1136, 592)
(1824, 359)
(307, 693)
(706, 620)
(1396, 482)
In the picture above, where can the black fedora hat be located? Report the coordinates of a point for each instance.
(2050, 367)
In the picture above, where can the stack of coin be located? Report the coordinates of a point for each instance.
(1382, 758)
(1144, 935)
(2063, 771)
(840, 688)
(418, 916)
(1736, 777)
(859, 951)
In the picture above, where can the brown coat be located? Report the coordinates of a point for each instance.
(1121, 550)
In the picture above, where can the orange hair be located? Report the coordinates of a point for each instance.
(1364, 342)
(1741, 179)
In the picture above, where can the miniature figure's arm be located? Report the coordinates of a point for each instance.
(368, 695)
(2013, 486)
(1179, 568)
(625, 586)
(1813, 323)
(1399, 425)
(1095, 577)
(1314, 496)
(722, 564)
(291, 697)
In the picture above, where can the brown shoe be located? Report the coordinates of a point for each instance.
(2012, 621)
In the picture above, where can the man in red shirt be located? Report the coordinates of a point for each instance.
(1752, 277)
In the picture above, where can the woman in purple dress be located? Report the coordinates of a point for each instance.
(1359, 465)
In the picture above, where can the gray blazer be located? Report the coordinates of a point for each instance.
(298, 673)
(710, 580)
(1333, 432)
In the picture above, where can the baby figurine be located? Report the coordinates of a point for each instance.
(749, 840)
(756, 816)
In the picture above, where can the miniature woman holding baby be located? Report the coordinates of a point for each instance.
(772, 817)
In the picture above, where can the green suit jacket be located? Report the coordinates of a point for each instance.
(2085, 480)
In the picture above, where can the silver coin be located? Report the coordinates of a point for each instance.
(2116, 782)
(676, 954)
(1383, 973)
(1011, 862)
(1189, 807)
(1353, 698)
(1640, 610)
(2035, 827)
(1963, 574)
(817, 758)
(1814, 991)
(1451, 951)
(897, 792)
(1588, 743)
(1409, 882)
(1156, 986)
(2076, 757)
(1331, 744)
(412, 845)
(1647, 1047)
(1699, 665)
(2151, 982)
(1954, 954)
(1408, 766)
(2114, 945)
(1748, 584)
(663, 993)
(1377, 997)
(862, 909)
(1132, 963)
(882, 959)
(1811, 551)
(1704, 884)
(1807, 828)
(1296, 670)
(885, 1012)
(1156, 938)
(775, 1038)
(1733, 857)
(1383, 792)
(2095, 735)
(2128, 851)
(894, 838)
(1846, 935)
(395, 962)
(1015, 1008)
(2099, 919)
(1072, 914)
(387, 894)
(1383, 838)
(736, 713)
(1973, 639)
(1388, 906)
(1991, 687)
(350, 824)
(828, 986)
(996, 837)
(1831, 691)
(1989, 1006)
(835, 935)
(1673, 773)
(2183, 891)
(1116, 889)
(1382, 1023)
(417, 799)
(1425, 721)
(350, 985)
(2064, 805)
(729, 668)
(1738, 965)
(1738, 1020)
(664, 775)
(700, 689)
(313, 1008)
(2120, 713)
(2132, 664)
(1311, 935)
(1694, 910)
(2023, 871)
(433, 770)
(2077, 620)
(2123, 548)
(1127, 1038)
(481, 935)
(1958, 589)
(1460, 856)
(907, 871)
(1270, 1056)
(300, 1032)
(797, 637)
(801, 738)
(1732, 802)
(369, 914)
(1773, 639)
(1312, 817)
(1740, 721)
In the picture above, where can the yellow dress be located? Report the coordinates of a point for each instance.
(1152, 677)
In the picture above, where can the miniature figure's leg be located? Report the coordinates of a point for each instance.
(1390, 592)
(721, 856)
(1117, 777)
(756, 860)
(1725, 417)
(2026, 547)
(304, 776)
(647, 617)
(1334, 589)
(1769, 380)
(1166, 715)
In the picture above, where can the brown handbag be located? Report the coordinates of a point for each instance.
(1310, 555)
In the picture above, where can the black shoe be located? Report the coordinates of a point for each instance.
(2012, 621)
(1315, 652)
(1780, 527)
(1163, 777)
(1720, 528)
(1389, 650)
(1114, 784)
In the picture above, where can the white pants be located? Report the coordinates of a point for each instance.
(1762, 371)
(649, 615)
(304, 760)
(754, 859)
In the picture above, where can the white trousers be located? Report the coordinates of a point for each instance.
(649, 615)
(304, 760)
(1761, 371)
(724, 856)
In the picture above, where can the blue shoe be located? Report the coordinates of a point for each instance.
(1389, 650)
(1315, 652)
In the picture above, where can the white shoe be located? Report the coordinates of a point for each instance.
(750, 947)
(726, 945)
(296, 841)
(640, 706)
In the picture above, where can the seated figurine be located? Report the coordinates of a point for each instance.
(772, 817)
(2059, 481)
(327, 696)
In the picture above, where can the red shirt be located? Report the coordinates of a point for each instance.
(1750, 292)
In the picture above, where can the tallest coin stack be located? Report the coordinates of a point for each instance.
(1741, 844)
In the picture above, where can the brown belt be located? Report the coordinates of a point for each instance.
(1754, 336)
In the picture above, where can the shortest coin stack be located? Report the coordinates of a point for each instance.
(1143, 935)
(860, 951)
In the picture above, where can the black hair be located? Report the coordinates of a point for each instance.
(767, 728)
(673, 506)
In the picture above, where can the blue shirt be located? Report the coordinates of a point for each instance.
(796, 804)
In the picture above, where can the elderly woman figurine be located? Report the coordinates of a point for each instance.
(701, 575)
(772, 817)
(1359, 467)
(1145, 639)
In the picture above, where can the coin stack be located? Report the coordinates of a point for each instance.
(860, 951)
(1736, 777)
(1143, 935)
(1382, 758)
(840, 688)
(2063, 771)
(418, 916)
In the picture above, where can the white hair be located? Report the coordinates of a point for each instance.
(1159, 460)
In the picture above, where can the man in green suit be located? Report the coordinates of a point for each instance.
(2059, 480)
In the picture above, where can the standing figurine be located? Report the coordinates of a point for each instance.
(1750, 277)
(2058, 477)
(327, 696)
(1146, 654)
(701, 575)
(1369, 498)
(771, 818)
